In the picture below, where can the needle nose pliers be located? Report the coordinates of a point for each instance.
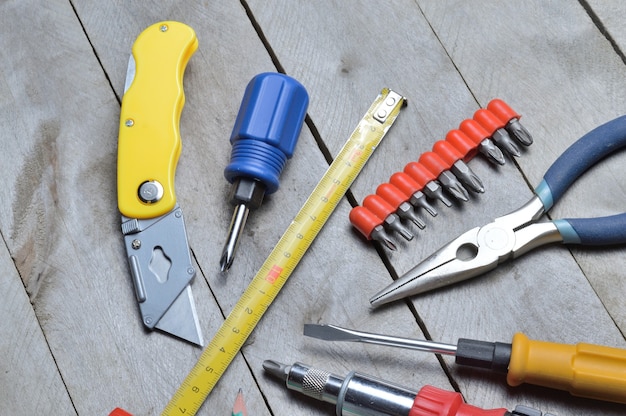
(482, 248)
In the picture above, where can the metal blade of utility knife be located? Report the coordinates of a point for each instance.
(181, 319)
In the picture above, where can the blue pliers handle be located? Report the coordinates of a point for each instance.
(579, 157)
(482, 248)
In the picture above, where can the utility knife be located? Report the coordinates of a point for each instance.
(148, 150)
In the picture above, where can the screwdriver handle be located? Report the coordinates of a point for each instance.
(585, 370)
(431, 401)
(266, 129)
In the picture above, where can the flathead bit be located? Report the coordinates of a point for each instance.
(451, 184)
(489, 149)
(515, 129)
(467, 176)
(503, 140)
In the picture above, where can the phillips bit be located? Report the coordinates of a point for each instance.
(427, 181)
(511, 118)
(448, 181)
(263, 138)
(476, 133)
(381, 208)
(458, 167)
(495, 127)
(413, 190)
(395, 197)
(370, 226)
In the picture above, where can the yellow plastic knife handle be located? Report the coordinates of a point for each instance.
(149, 136)
(585, 370)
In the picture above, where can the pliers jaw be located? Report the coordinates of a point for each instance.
(474, 252)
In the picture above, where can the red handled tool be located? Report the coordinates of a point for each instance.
(360, 394)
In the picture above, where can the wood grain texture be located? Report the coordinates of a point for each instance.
(59, 105)
(31, 383)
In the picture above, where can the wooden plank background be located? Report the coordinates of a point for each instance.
(71, 338)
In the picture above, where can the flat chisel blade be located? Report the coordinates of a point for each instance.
(181, 319)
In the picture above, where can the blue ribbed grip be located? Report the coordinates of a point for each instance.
(267, 128)
(579, 157)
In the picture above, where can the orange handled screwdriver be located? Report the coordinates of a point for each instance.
(585, 370)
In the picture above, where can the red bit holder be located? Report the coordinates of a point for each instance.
(442, 168)
(434, 163)
(453, 158)
(495, 129)
(480, 136)
(370, 226)
(385, 211)
(511, 118)
(399, 201)
(462, 143)
(412, 190)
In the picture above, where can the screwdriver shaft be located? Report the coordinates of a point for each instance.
(336, 333)
(237, 224)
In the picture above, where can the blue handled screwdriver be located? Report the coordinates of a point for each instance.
(264, 136)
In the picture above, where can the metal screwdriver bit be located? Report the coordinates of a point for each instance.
(396, 198)
(451, 184)
(425, 178)
(492, 152)
(502, 139)
(412, 189)
(467, 176)
(515, 129)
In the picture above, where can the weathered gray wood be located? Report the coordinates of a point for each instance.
(30, 381)
(61, 226)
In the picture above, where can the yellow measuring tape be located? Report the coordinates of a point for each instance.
(286, 255)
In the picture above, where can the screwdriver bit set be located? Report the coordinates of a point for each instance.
(440, 173)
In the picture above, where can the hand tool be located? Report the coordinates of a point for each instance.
(495, 127)
(427, 181)
(364, 395)
(286, 255)
(148, 150)
(511, 118)
(584, 370)
(396, 198)
(264, 136)
(514, 234)
(370, 226)
(439, 168)
(239, 408)
(413, 191)
(385, 211)
(453, 158)
(476, 133)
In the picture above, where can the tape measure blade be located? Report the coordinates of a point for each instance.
(285, 256)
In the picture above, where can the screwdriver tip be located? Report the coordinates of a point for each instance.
(328, 332)
(276, 369)
(226, 261)
(240, 215)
